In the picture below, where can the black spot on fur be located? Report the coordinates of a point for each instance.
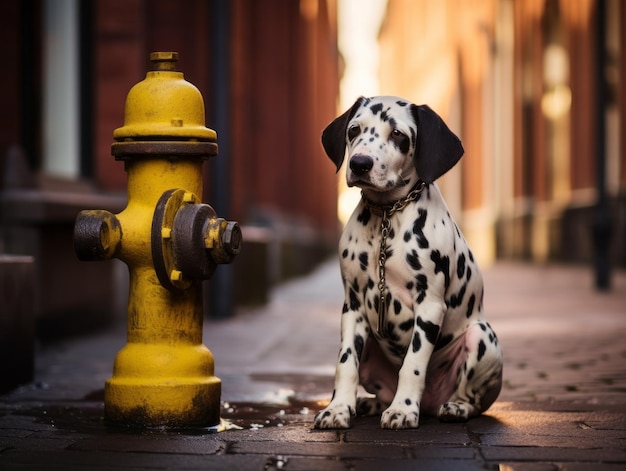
(421, 285)
(457, 299)
(345, 253)
(355, 304)
(345, 356)
(344, 309)
(413, 260)
(470, 306)
(430, 329)
(417, 341)
(363, 260)
(358, 345)
(397, 307)
(442, 265)
(408, 401)
(470, 374)
(377, 108)
(407, 236)
(482, 348)
(460, 266)
(364, 217)
(418, 228)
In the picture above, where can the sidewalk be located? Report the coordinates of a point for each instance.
(562, 407)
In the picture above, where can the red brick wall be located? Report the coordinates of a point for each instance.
(284, 86)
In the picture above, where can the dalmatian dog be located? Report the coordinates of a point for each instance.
(413, 332)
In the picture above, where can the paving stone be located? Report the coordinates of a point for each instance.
(430, 431)
(289, 433)
(315, 449)
(187, 445)
(557, 454)
(79, 460)
(440, 464)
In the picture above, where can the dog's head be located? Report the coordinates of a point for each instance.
(391, 144)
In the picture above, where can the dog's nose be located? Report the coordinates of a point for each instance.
(361, 164)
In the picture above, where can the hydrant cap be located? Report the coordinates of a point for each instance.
(164, 105)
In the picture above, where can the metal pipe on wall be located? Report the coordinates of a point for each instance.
(220, 290)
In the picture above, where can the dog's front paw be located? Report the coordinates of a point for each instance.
(400, 417)
(334, 416)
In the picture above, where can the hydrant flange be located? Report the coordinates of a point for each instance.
(189, 240)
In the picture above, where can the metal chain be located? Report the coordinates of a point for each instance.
(385, 228)
(382, 284)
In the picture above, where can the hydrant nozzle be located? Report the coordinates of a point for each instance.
(170, 241)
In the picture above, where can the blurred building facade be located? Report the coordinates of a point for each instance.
(268, 72)
(281, 81)
(535, 89)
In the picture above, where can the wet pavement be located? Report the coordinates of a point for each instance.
(562, 407)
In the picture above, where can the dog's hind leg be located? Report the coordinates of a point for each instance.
(480, 377)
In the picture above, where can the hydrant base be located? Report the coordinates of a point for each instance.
(180, 402)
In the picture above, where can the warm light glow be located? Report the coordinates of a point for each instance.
(359, 22)
(348, 199)
(309, 9)
(556, 102)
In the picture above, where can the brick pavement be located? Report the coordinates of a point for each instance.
(563, 405)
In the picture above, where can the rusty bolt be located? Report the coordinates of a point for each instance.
(232, 238)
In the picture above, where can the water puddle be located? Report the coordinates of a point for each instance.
(279, 410)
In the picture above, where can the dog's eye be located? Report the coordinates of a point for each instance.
(401, 140)
(353, 131)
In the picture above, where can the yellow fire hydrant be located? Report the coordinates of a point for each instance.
(170, 241)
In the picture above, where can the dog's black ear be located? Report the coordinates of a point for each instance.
(438, 148)
(334, 136)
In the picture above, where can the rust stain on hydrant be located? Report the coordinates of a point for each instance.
(164, 376)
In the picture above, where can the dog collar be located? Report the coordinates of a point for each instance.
(398, 205)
